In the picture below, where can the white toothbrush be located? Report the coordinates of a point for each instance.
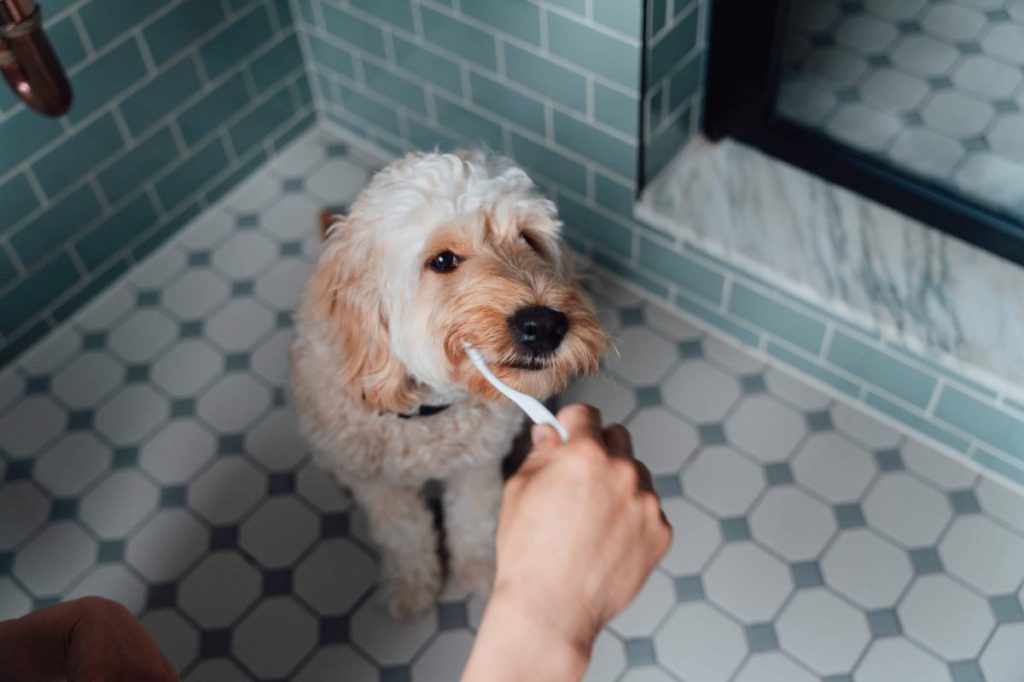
(533, 408)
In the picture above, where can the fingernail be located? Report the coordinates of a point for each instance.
(539, 434)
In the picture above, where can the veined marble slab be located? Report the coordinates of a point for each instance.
(913, 284)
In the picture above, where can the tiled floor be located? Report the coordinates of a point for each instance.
(934, 86)
(147, 454)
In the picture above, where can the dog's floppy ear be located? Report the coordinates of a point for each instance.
(344, 296)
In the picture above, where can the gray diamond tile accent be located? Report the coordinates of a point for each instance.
(837, 678)
(291, 185)
(44, 603)
(889, 460)
(913, 119)
(975, 144)
(125, 457)
(452, 615)
(230, 444)
(1005, 106)
(819, 421)
(753, 383)
(198, 259)
(236, 362)
(966, 671)
(997, 15)
(279, 397)
(284, 319)
(640, 651)
(847, 96)
(396, 673)
(334, 630)
(191, 329)
(884, 623)
(334, 524)
(215, 643)
(908, 27)
(37, 384)
(136, 373)
(688, 588)
(711, 434)
(110, 551)
(337, 151)
(280, 483)
(183, 407)
(690, 349)
(148, 299)
(648, 396)
(223, 537)
(6, 562)
(243, 288)
(762, 637)
(1006, 609)
(940, 83)
(173, 496)
(291, 249)
(248, 220)
(79, 420)
(735, 529)
(668, 486)
(161, 595)
(94, 340)
(850, 515)
(19, 469)
(278, 581)
(779, 473)
(964, 501)
(632, 317)
(806, 574)
(925, 561)
(63, 508)
(879, 61)
(970, 48)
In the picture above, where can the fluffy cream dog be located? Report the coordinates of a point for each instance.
(439, 248)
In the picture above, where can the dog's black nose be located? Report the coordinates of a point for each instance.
(539, 329)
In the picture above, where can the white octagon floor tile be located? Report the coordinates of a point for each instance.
(175, 636)
(906, 509)
(867, 569)
(747, 582)
(112, 581)
(34, 422)
(823, 631)
(445, 656)
(792, 522)
(278, 532)
(132, 414)
(14, 603)
(142, 336)
(642, 616)
(795, 392)
(946, 617)
(244, 255)
(984, 554)
(72, 463)
(188, 367)
(613, 399)
(701, 391)
(167, 545)
(274, 441)
(723, 481)
(202, 594)
(328, 661)
(693, 630)
(55, 557)
(334, 576)
(607, 659)
(897, 659)
(22, 510)
(86, 379)
(863, 428)
(274, 637)
(940, 469)
(1003, 659)
(233, 403)
(646, 357)
(239, 325)
(661, 440)
(772, 666)
(833, 467)
(194, 294)
(216, 670)
(118, 504)
(177, 452)
(1001, 502)
(388, 641)
(227, 490)
(688, 555)
(765, 428)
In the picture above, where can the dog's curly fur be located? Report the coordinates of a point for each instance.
(379, 333)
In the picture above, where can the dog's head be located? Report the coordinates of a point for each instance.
(441, 249)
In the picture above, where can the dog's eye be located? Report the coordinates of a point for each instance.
(531, 242)
(444, 262)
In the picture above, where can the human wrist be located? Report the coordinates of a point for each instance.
(559, 648)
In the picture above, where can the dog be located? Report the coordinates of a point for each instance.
(438, 249)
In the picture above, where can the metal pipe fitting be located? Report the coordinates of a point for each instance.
(27, 59)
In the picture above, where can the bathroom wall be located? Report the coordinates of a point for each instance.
(674, 73)
(175, 102)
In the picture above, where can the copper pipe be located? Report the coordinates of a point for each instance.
(28, 61)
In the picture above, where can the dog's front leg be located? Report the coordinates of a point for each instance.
(403, 528)
(472, 499)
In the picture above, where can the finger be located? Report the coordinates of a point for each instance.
(581, 421)
(543, 435)
(618, 440)
(644, 477)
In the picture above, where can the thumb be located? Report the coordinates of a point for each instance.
(542, 435)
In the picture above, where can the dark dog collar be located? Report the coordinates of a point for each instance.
(424, 411)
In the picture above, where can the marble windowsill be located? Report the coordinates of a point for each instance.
(915, 285)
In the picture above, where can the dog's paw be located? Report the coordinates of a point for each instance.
(407, 598)
(476, 574)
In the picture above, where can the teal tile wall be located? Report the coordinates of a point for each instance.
(675, 44)
(175, 102)
(548, 83)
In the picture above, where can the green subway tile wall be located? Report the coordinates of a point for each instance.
(675, 45)
(175, 102)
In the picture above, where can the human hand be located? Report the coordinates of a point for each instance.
(580, 530)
